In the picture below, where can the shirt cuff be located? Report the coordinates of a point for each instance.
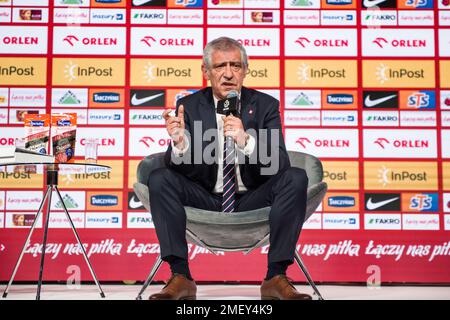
(249, 147)
(176, 151)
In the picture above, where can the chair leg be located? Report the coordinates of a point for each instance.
(150, 277)
(306, 273)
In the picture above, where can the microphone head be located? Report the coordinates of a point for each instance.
(232, 94)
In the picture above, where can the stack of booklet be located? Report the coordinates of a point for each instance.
(13, 154)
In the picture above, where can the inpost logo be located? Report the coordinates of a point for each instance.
(89, 72)
(23, 71)
(445, 75)
(166, 72)
(446, 175)
(341, 175)
(132, 169)
(401, 74)
(400, 175)
(263, 74)
(107, 180)
(321, 73)
(20, 180)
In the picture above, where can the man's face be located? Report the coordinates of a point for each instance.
(227, 72)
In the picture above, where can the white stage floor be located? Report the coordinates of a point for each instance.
(228, 292)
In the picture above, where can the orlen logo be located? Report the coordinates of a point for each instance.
(91, 41)
(329, 143)
(383, 142)
(383, 43)
(255, 42)
(172, 42)
(148, 141)
(322, 43)
(105, 142)
(20, 40)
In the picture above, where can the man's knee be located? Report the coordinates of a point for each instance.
(296, 178)
(159, 178)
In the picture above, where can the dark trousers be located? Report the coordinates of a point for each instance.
(284, 192)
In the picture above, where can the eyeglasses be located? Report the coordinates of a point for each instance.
(235, 67)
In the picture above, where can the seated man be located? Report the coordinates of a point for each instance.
(219, 185)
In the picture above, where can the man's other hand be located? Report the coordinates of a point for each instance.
(175, 126)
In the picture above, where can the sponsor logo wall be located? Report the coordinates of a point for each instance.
(363, 85)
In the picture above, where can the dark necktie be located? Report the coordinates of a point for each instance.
(229, 177)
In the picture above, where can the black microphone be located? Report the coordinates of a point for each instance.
(226, 107)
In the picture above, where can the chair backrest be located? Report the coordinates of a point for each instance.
(310, 163)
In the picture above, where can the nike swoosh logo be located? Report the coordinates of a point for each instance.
(372, 3)
(140, 2)
(136, 101)
(135, 204)
(372, 103)
(375, 205)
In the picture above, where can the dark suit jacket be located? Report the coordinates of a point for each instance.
(258, 111)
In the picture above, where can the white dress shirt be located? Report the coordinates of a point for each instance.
(247, 150)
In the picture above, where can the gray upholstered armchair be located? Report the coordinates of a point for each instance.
(240, 231)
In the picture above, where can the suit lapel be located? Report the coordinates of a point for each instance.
(207, 110)
(246, 107)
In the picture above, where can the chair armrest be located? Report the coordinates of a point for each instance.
(149, 164)
(316, 193)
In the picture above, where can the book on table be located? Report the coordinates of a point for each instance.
(12, 154)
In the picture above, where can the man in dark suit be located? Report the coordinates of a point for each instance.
(219, 185)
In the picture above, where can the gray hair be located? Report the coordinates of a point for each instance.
(223, 44)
